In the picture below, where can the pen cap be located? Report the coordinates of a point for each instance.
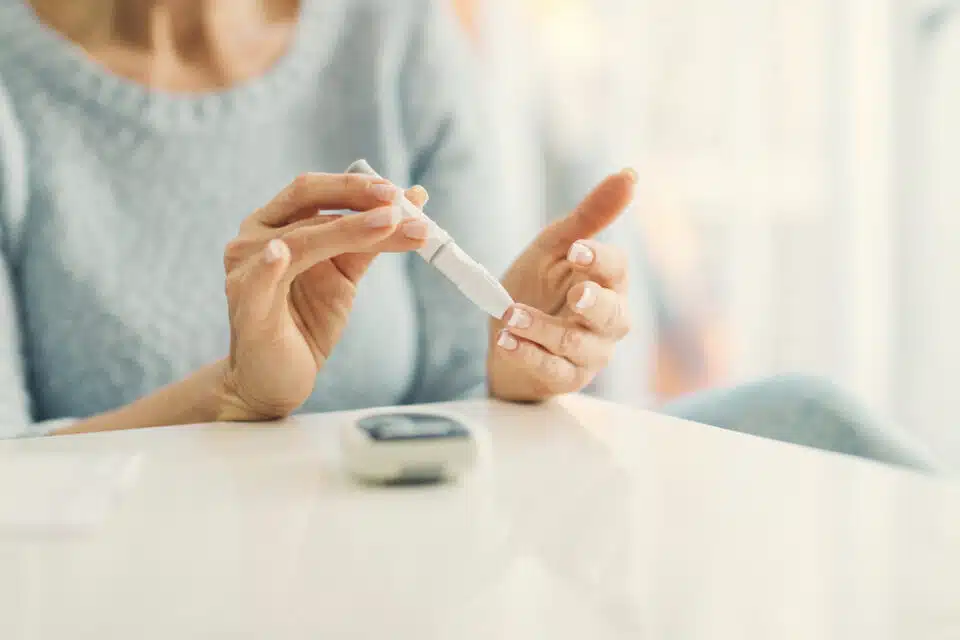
(437, 237)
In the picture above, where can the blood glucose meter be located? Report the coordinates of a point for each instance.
(407, 447)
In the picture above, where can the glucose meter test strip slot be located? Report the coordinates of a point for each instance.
(443, 254)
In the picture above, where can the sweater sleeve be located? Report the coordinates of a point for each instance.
(444, 122)
(15, 410)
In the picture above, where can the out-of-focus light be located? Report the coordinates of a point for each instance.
(570, 29)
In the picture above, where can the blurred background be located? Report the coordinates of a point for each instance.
(800, 181)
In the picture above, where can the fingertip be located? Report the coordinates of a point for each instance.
(383, 190)
(581, 254)
(398, 242)
(417, 195)
(415, 229)
(631, 174)
(405, 244)
(582, 296)
(518, 317)
(381, 220)
(505, 318)
(507, 341)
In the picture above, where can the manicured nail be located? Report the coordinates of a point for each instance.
(275, 250)
(386, 217)
(507, 341)
(580, 254)
(519, 319)
(415, 229)
(385, 192)
(587, 298)
(632, 174)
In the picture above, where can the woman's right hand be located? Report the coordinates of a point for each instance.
(291, 276)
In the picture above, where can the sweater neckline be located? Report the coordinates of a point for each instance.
(62, 65)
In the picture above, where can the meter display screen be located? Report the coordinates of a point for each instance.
(411, 426)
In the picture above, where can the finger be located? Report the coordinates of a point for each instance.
(411, 233)
(255, 288)
(600, 262)
(350, 234)
(325, 191)
(409, 236)
(554, 373)
(417, 196)
(560, 336)
(601, 310)
(596, 212)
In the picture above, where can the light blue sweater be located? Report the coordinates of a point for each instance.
(116, 203)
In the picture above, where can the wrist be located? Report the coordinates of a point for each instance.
(218, 400)
(231, 403)
(203, 397)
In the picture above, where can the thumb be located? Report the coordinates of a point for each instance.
(594, 214)
(258, 286)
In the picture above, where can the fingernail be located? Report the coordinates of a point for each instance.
(587, 298)
(380, 218)
(385, 192)
(580, 254)
(507, 341)
(415, 229)
(275, 250)
(519, 319)
(632, 174)
(426, 194)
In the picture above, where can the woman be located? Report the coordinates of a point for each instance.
(149, 128)
(138, 136)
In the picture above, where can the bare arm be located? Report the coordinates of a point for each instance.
(202, 397)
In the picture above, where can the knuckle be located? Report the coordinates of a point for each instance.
(571, 341)
(299, 187)
(350, 181)
(234, 253)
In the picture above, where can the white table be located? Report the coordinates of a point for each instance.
(587, 520)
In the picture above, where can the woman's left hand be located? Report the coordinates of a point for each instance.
(572, 307)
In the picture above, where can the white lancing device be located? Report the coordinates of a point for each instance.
(443, 253)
